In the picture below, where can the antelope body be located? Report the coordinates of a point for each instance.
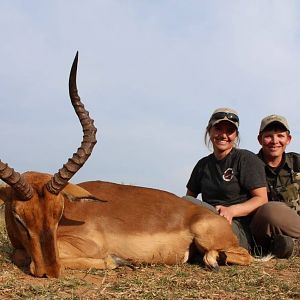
(54, 224)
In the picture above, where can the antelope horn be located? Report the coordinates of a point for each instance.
(61, 178)
(16, 181)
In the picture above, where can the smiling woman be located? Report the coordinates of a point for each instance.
(231, 181)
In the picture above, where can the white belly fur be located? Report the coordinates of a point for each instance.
(169, 248)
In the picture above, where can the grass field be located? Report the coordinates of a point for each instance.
(275, 279)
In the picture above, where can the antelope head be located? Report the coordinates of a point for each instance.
(34, 202)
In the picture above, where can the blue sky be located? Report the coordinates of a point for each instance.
(150, 73)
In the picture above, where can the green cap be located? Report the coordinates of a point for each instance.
(273, 119)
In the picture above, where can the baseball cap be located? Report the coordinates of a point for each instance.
(224, 114)
(273, 119)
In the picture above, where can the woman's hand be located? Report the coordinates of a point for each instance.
(226, 212)
(259, 197)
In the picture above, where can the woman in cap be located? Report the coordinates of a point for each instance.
(231, 181)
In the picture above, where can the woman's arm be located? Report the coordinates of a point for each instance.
(259, 197)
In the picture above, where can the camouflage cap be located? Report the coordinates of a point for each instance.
(224, 114)
(273, 119)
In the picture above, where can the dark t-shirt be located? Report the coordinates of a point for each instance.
(227, 181)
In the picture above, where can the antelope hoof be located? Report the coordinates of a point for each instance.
(120, 262)
(215, 267)
(210, 260)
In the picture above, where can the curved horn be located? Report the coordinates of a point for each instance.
(16, 181)
(61, 178)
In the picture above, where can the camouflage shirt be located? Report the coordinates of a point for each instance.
(284, 181)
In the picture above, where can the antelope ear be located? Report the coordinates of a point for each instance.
(74, 193)
(5, 193)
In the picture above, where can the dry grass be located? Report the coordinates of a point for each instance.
(276, 279)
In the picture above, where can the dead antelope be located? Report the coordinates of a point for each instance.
(53, 224)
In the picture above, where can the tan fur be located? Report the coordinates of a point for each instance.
(238, 255)
(136, 224)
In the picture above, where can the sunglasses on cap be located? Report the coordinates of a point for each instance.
(221, 115)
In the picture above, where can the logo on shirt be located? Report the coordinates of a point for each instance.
(228, 174)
